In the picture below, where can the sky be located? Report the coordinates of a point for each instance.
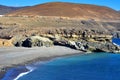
(114, 4)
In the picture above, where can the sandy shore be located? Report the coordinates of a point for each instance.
(13, 56)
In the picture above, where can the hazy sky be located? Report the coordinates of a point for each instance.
(115, 4)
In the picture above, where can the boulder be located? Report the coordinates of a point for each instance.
(18, 44)
(37, 41)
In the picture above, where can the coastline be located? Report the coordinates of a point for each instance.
(12, 57)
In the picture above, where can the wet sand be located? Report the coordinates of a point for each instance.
(14, 56)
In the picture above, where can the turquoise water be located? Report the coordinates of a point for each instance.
(99, 66)
(96, 66)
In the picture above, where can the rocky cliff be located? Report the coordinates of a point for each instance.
(86, 27)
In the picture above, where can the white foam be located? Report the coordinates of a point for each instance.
(25, 73)
(116, 44)
(31, 68)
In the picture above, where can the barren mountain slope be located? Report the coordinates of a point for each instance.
(83, 11)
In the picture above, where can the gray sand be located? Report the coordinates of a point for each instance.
(15, 56)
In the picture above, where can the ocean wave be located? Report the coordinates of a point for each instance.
(30, 69)
(116, 44)
(116, 41)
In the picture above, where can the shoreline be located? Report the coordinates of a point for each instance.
(30, 66)
(31, 55)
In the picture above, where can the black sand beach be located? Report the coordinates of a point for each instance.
(12, 57)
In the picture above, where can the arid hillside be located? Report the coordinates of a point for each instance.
(61, 23)
(53, 25)
(83, 11)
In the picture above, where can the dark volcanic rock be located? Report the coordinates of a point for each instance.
(18, 44)
(71, 44)
(89, 46)
(35, 41)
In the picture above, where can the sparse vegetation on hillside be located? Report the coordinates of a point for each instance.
(45, 25)
(83, 11)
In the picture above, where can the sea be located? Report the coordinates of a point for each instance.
(93, 66)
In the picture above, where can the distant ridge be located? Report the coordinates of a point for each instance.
(85, 11)
(7, 9)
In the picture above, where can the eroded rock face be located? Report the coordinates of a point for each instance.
(35, 41)
(102, 47)
(94, 45)
(72, 44)
(5, 43)
(89, 46)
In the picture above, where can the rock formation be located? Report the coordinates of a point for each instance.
(79, 26)
(35, 41)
